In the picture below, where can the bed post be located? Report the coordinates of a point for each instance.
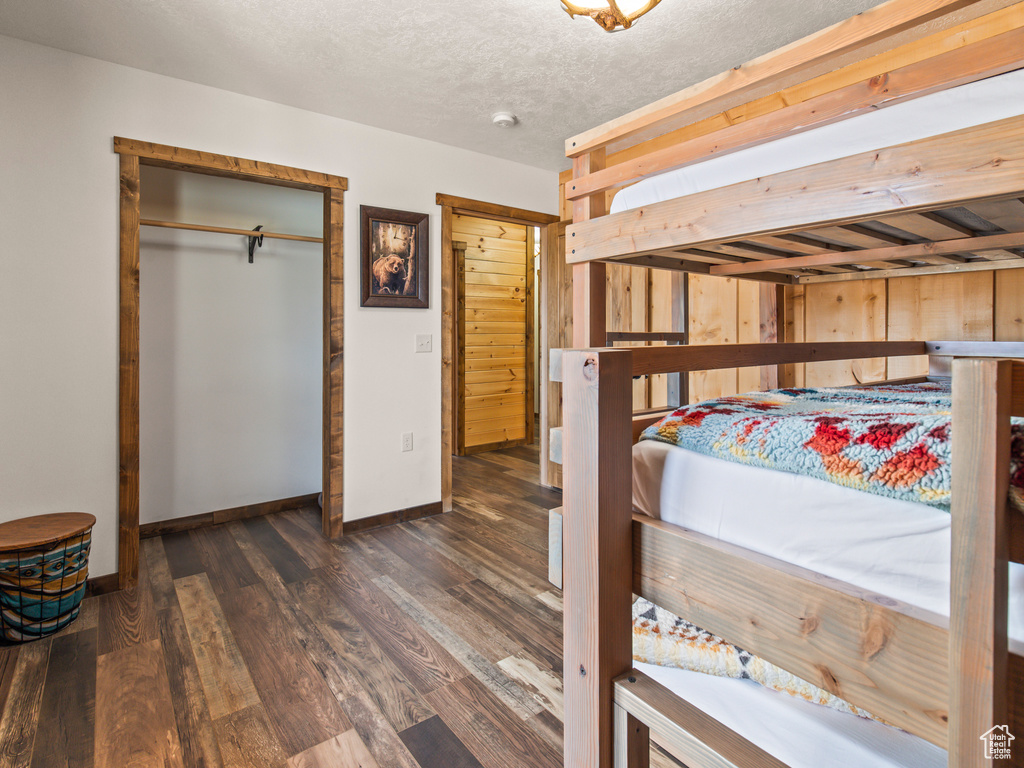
(598, 549)
(980, 547)
(589, 284)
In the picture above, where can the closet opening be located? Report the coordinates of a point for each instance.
(491, 327)
(229, 369)
(229, 351)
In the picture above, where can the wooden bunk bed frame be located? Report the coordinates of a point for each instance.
(947, 681)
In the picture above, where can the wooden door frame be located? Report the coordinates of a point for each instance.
(133, 154)
(451, 205)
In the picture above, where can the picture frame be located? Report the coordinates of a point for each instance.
(395, 258)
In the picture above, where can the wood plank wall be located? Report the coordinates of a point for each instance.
(493, 313)
(638, 299)
(981, 306)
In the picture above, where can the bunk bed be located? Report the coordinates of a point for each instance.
(948, 76)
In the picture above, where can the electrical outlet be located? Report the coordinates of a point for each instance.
(424, 342)
(406, 441)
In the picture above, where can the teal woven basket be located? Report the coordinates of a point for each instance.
(44, 565)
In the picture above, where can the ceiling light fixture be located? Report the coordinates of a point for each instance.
(611, 15)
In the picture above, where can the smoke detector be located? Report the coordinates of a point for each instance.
(504, 119)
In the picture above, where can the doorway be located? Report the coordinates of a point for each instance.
(488, 327)
(134, 153)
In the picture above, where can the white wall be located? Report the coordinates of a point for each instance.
(58, 273)
(229, 365)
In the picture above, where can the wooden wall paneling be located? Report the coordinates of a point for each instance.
(713, 315)
(678, 383)
(1009, 305)
(852, 311)
(128, 376)
(772, 305)
(748, 330)
(494, 250)
(793, 331)
(660, 303)
(937, 308)
(334, 364)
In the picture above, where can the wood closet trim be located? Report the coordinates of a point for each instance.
(133, 154)
(195, 161)
(451, 205)
(492, 211)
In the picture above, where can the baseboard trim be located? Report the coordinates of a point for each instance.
(101, 585)
(390, 518)
(472, 449)
(178, 524)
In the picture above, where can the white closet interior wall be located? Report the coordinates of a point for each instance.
(230, 352)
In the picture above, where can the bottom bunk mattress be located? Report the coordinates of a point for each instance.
(800, 734)
(896, 548)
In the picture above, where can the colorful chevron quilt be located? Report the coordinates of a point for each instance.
(888, 440)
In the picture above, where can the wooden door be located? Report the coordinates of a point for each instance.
(495, 334)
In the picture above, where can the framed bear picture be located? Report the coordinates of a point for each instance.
(395, 254)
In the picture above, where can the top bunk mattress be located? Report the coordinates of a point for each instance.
(984, 101)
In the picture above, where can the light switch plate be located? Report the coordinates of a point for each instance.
(424, 342)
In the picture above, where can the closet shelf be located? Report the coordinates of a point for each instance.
(227, 230)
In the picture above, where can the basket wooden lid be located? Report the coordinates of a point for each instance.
(38, 531)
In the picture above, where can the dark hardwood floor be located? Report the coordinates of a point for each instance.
(435, 643)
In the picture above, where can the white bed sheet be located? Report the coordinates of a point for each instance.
(968, 105)
(895, 548)
(798, 733)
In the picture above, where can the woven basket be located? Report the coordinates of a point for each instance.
(42, 582)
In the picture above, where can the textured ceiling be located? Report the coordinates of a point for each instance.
(437, 69)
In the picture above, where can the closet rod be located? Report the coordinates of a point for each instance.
(227, 230)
